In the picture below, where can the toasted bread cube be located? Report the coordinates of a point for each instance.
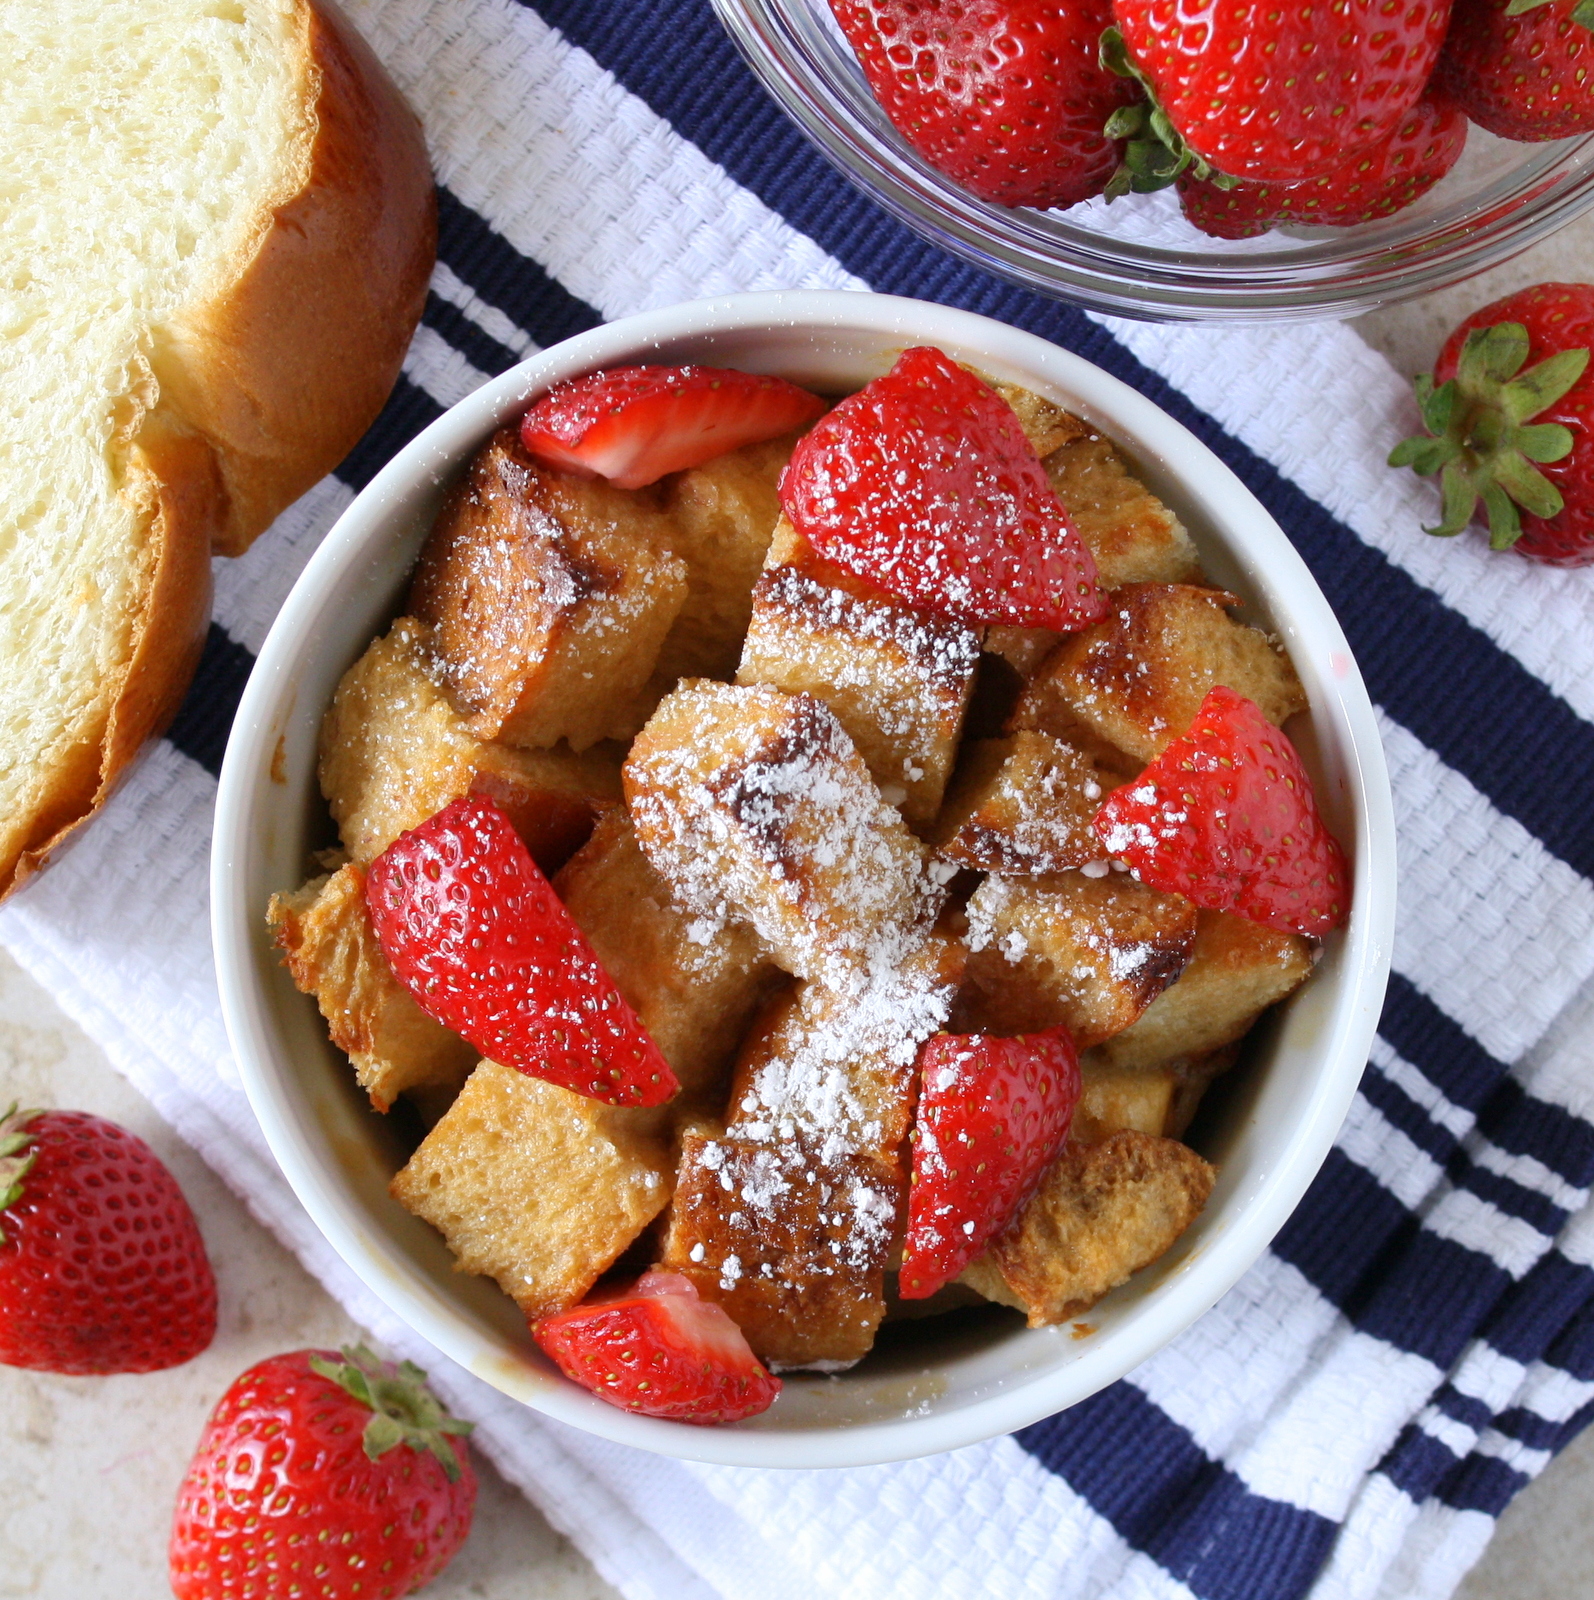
(1023, 649)
(394, 752)
(692, 981)
(1087, 953)
(330, 947)
(535, 1186)
(897, 679)
(1138, 677)
(836, 1067)
(1134, 537)
(722, 517)
(1046, 424)
(550, 597)
(1023, 805)
(1160, 1099)
(755, 807)
(1237, 969)
(1103, 1211)
(791, 1241)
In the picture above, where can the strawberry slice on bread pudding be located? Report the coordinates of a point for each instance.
(1226, 816)
(993, 1115)
(632, 425)
(471, 926)
(661, 1350)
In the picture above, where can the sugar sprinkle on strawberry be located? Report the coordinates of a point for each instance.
(1226, 817)
(924, 485)
(658, 1348)
(632, 425)
(992, 1116)
(471, 926)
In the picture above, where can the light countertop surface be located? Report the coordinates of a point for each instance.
(89, 1466)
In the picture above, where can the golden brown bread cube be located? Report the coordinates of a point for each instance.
(897, 679)
(722, 517)
(330, 947)
(1046, 425)
(1237, 968)
(1023, 649)
(1159, 1099)
(693, 982)
(1102, 1212)
(394, 752)
(550, 597)
(791, 1241)
(535, 1186)
(755, 807)
(837, 1066)
(1138, 677)
(1023, 805)
(1134, 537)
(1087, 953)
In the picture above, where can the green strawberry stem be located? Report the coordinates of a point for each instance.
(1480, 440)
(16, 1157)
(1155, 153)
(405, 1409)
(1582, 13)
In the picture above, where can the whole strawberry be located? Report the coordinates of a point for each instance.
(1375, 183)
(1005, 96)
(325, 1477)
(102, 1267)
(1523, 69)
(1510, 414)
(1279, 93)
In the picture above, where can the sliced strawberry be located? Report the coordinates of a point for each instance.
(1226, 816)
(471, 926)
(631, 425)
(661, 1350)
(924, 485)
(993, 1115)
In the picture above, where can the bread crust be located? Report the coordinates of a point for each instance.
(286, 369)
(262, 389)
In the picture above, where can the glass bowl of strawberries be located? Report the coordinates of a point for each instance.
(690, 937)
(1048, 144)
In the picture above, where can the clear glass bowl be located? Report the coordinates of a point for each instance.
(1138, 257)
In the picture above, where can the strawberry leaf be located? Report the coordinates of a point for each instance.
(1458, 499)
(1491, 356)
(1583, 14)
(1505, 525)
(1156, 153)
(1527, 486)
(1542, 385)
(1543, 441)
(405, 1411)
(16, 1157)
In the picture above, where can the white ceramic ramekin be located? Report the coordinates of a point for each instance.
(942, 1388)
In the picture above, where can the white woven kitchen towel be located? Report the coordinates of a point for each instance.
(1349, 1421)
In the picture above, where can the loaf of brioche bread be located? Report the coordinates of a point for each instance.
(219, 230)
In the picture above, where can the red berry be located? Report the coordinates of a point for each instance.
(660, 1349)
(992, 1117)
(471, 926)
(634, 424)
(1374, 183)
(1528, 76)
(1279, 93)
(924, 485)
(325, 1477)
(102, 1267)
(1510, 418)
(1226, 817)
(1007, 99)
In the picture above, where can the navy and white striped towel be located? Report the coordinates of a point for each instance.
(1350, 1420)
